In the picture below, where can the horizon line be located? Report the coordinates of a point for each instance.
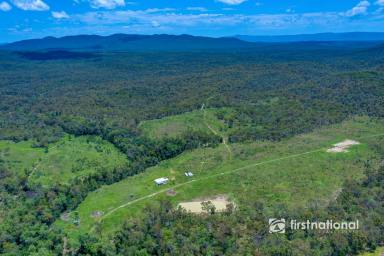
(196, 35)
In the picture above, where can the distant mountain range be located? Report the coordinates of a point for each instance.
(163, 42)
(119, 42)
(321, 37)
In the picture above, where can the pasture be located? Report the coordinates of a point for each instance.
(19, 157)
(62, 161)
(292, 173)
(202, 120)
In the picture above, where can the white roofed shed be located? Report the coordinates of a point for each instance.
(161, 181)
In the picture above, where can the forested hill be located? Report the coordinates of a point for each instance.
(118, 42)
(319, 37)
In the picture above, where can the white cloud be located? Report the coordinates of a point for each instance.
(108, 4)
(360, 9)
(31, 5)
(380, 2)
(155, 24)
(232, 2)
(199, 9)
(154, 10)
(4, 6)
(217, 23)
(224, 23)
(60, 15)
(171, 20)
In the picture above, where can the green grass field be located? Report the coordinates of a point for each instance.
(378, 252)
(292, 172)
(19, 157)
(178, 125)
(68, 158)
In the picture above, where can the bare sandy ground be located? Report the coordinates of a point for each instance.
(220, 203)
(342, 146)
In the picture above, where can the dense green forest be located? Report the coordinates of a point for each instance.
(111, 93)
(275, 92)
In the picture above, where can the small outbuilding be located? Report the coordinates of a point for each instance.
(188, 174)
(161, 181)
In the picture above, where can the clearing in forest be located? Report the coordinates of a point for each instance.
(204, 120)
(62, 161)
(342, 146)
(379, 252)
(196, 206)
(292, 172)
(19, 157)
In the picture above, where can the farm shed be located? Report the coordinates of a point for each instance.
(161, 181)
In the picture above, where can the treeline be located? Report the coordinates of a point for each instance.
(140, 150)
(164, 230)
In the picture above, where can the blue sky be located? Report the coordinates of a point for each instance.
(23, 19)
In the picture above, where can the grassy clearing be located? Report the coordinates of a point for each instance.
(292, 172)
(66, 159)
(74, 157)
(378, 252)
(19, 157)
(178, 125)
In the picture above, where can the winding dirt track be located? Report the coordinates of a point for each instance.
(224, 138)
